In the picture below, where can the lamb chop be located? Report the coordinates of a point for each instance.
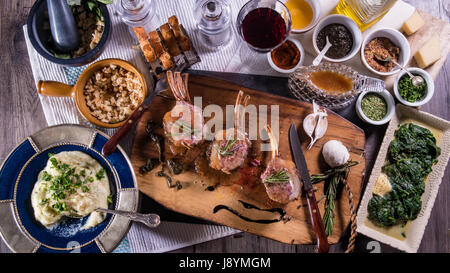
(230, 147)
(183, 125)
(281, 178)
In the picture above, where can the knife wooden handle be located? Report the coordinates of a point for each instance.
(111, 144)
(316, 220)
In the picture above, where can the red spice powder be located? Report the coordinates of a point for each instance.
(286, 56)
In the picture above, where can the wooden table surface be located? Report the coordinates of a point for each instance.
(21, 115)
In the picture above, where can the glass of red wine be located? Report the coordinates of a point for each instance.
(263, 25)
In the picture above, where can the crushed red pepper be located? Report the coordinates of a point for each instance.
(286, 56)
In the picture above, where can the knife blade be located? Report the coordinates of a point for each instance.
(302, 167)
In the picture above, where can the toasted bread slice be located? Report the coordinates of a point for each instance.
(182, 39)
(162, 54)
(169, 39)
(146, 48)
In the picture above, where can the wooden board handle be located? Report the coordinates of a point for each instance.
(111, 144)
(316, 220)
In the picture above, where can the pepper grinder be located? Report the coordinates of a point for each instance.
(138, 13)
(213, 22)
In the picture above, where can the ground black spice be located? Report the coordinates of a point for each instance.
(340, 38)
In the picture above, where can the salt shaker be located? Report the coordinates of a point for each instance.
(213, 22)
(138, 13)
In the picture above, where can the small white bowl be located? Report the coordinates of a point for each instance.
(396, 38)
(390, 107)
(317, 9)
(300, 61)
(429, 92)
(349, 24)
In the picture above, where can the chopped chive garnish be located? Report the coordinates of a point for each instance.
(100, 174)
(84, 189)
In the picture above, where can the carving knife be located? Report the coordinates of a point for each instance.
(300, 163)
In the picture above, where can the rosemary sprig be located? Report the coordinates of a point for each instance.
(184, 127)
(328, 216)
(333, 176)
(316, 178)
(226, 150)
(280, 176)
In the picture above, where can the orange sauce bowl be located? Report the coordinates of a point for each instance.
(58, 89)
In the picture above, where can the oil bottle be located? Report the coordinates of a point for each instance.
(365, 13)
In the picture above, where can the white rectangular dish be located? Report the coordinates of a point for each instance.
(415, 229)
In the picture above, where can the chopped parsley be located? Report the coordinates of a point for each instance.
(46, 176)
(100, 174)
(409, 91)
(59, 207)
(65, 183)
(84, 189)
(110, 199)
(54, 162)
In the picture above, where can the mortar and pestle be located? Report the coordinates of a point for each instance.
(63, 31)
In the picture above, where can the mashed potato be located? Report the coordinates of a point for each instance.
(72, 184)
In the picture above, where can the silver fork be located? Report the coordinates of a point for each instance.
(150, 220)
(161, 85)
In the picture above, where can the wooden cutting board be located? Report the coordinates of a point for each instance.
(196, 198)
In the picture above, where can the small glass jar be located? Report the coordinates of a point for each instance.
(138, 13)
(213, 22)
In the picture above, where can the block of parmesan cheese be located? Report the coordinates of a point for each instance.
(413, 23)
(429, 53)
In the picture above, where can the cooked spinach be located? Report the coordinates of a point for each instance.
(410, 157)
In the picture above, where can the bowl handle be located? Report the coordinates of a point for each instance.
(365, 83)
(55, 89)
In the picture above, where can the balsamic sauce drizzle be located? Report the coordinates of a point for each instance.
(250, 206)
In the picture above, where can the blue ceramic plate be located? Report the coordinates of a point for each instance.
(18, 174)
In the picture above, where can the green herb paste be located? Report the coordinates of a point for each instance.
(410, 92)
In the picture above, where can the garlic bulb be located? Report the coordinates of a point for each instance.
(315, 124)
(335, 153)
(309, 124)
